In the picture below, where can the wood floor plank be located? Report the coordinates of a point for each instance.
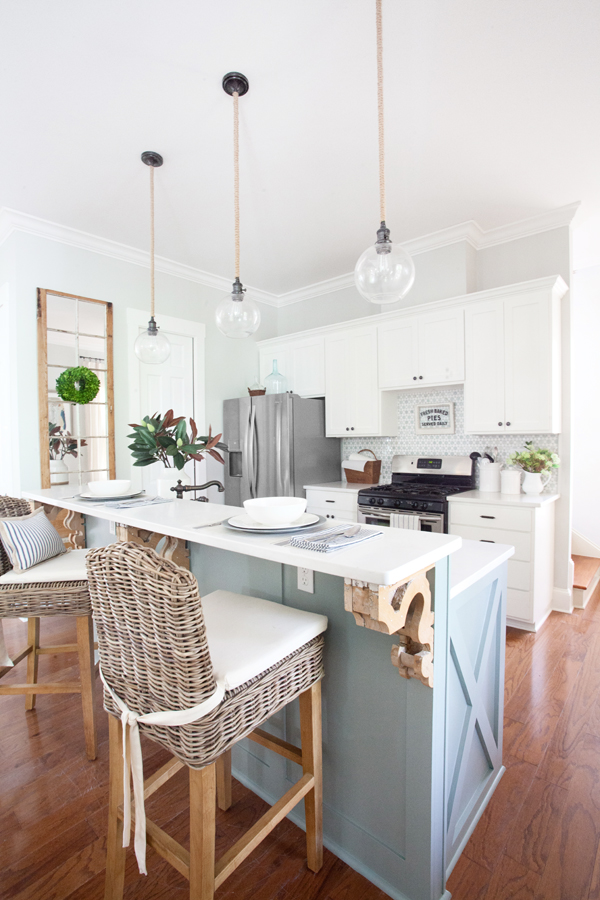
(512, 881)
(468, 881)
(537, 825)
(486, 844)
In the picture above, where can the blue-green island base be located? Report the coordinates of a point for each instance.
(407, 770)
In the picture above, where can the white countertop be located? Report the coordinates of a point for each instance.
(383, 560)
(522, 500)
(338, 486)
(474, 560)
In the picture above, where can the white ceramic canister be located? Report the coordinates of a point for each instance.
(510, 481)
(489, 478)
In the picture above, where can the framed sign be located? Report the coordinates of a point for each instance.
(435, 417)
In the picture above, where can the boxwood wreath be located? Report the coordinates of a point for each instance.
(77, 385)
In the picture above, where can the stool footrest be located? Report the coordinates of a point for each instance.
(290, 751)
(49, 687)
(246, 844)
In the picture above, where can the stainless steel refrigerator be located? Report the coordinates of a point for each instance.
(276, 444)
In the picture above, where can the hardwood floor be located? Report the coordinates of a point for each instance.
(539, 838)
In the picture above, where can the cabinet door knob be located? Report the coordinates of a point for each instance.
(347, 429)
(499, 423)
(352, 429)
(414, 377)
(420, 378)
(508, 423)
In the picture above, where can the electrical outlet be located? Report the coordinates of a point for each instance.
(306, 580)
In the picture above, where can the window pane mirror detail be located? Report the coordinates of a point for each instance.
(77, 442)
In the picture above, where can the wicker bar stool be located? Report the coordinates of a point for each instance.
(196, 676)
(57, 587)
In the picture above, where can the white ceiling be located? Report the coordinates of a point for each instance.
(491, 114)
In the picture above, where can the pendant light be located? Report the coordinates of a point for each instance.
(385, 272)
(237, 316)
(151, 346)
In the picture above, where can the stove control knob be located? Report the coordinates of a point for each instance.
(424, 505)
(414, 504)
(398, 503)
(380, 501)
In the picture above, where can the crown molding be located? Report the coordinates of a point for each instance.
(12, 220)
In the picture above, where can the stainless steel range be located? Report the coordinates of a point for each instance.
(416, 498)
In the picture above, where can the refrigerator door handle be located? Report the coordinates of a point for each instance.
(278, 414)
(252, 461)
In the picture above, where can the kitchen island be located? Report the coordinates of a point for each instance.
(409, 762)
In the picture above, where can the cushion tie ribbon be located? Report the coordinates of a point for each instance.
(133, 766)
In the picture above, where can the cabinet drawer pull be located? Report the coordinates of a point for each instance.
(486, 541)
(487, 517)
(330, 501)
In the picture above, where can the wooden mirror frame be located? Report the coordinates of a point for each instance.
(42, 333)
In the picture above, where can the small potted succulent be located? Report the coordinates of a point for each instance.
(535, 462)
(167, 440)
(61, 443)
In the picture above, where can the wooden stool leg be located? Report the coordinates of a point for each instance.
(202, 832)
(85, 647)
(33, 641)
(312, 763)
(224, 780)
(115, 852)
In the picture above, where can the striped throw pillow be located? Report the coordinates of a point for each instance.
(29, 540)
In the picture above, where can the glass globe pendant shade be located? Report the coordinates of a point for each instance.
(385, 272)
(237, 316)
(151, 346)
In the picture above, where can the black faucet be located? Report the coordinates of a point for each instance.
(181, 489)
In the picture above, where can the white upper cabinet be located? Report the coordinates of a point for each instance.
(354, 405)
(415, 351)
(301, 360)
(513, 364)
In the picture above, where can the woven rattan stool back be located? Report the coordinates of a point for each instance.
(151, 635)
(9, 508)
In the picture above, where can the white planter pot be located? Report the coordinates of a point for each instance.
(533, 482)
(59, 474)
(168, 479)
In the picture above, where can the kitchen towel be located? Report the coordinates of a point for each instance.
(133, 504)
(356, 465)
(335, 542)
(398, 520)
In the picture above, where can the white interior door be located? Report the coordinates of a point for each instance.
(176, 384)
(169, 386)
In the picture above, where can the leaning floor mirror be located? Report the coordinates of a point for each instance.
(76, 394)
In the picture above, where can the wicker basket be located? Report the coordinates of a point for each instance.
(371, 472)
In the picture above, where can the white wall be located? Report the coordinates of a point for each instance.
(586, 403)
(29, 262)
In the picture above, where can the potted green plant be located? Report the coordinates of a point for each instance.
(61, 443)
(167, 440)
(535, 462)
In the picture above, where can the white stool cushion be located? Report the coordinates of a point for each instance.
(70, 566)
(248, 635)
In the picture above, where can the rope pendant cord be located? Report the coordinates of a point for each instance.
(151, 241)
(380, 112)
(236, 182)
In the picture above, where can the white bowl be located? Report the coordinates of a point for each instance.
(275, 510)
(113, 488)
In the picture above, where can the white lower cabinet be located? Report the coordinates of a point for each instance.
(530, 530)
(336, 505)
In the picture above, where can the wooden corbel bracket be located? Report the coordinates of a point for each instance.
(403, 608)
(171, 548)
(72, 522)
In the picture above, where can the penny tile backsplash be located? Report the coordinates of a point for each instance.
(410, 442)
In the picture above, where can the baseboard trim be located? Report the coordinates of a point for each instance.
(581, 546)
(562, 600)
